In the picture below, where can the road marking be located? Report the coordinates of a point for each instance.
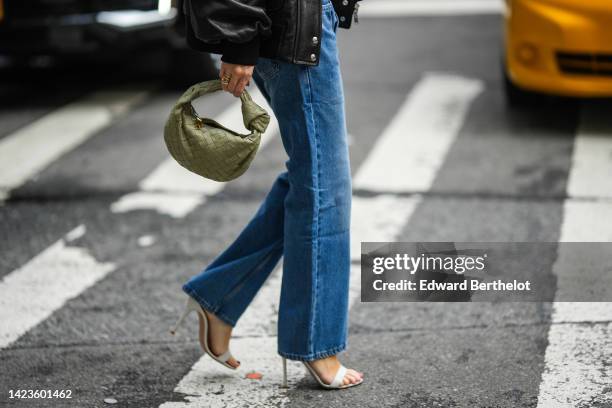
(577, 361)
(414, 145)
(376, 218)
(591, 174)
(255, 342)
(33, 292)
(391, 214)
(29, 150)
(408, 8)
(210, 385)
(406, 158)
(255, 345)
(172, 190)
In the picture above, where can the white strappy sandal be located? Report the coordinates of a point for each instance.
(190, 306)
(336, 384)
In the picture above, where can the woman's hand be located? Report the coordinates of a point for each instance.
(240, 77)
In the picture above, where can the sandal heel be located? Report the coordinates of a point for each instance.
(284, 384)
(188, 309)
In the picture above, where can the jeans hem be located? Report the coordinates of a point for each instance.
(209, 308)
(313, 356)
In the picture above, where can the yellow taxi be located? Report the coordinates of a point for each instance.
(558, 47)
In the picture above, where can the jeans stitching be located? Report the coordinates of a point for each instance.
(315, 219)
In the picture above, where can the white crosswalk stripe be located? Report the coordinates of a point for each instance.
(577, 360)
(33, 292)
(172, 190)
(591, 163)
(27, 151)
(256, 331)
(407, 158)
(415, 143)
(392, 213)
(254, 344)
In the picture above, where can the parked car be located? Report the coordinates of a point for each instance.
(96, 30)
(558, 47)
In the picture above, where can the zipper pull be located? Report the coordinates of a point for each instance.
(355, 13)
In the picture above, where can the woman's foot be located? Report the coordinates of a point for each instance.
(327, 368)
(219, 334)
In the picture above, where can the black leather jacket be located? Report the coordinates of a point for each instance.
(242, 30)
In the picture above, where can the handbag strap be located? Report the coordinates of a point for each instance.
(255, 118)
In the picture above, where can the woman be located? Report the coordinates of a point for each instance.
(290, 52)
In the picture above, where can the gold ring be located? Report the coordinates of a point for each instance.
(226, 79)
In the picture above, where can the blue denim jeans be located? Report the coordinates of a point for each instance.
(305, 217)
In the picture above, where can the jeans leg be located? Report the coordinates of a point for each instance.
(229, 283)
(305, 217)
(309, 104)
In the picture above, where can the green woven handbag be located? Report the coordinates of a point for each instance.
(206, 147)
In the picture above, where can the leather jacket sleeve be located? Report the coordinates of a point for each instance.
(236, 24)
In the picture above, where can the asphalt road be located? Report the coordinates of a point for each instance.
(99, 231)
